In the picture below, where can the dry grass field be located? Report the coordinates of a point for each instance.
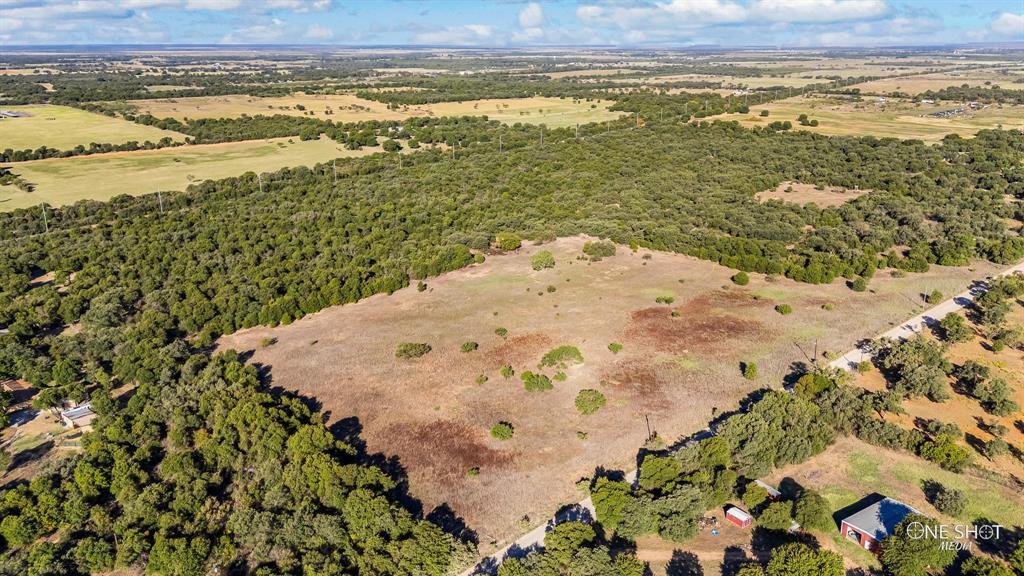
(63, 128)
(434, 416)
(734, 81)
(554, 112)
(870, 117)
(798, 193)
(916, 84)
(61, 181)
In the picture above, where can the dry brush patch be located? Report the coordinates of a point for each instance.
(434, 416)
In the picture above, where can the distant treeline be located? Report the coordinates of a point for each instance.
(966, 93)
(44, 152)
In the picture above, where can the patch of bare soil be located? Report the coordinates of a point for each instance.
(823, 197)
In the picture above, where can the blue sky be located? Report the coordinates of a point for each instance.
(508, 23)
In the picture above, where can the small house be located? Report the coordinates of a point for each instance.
(78, 417)
(870, 525)
(739, 517)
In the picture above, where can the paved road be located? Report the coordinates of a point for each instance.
(584, 510)
(922, 321)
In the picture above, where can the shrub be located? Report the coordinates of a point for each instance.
(741, 278)
(859, 285)
(560, 376)
(411, 349)
(503, 431)
(665, 299)
(541, 260)
(784, 309)
(598, 250)
(469, 346)
(984, 566)
(955, 329)
(750, 370)
(561, 357)
(506, 371)
(764, 113)
(501, 332)
(934, 297)
(864, 366)
(507, 241)
(994, 448)
(615, 347)
(421, 286)
(481, 379)
(590, 401)
(473, 472)
(267, 342)
(535, 382)
(551, 288)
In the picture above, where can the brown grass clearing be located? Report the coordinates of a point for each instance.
(432, 415)
(798, 193)
(917, 84)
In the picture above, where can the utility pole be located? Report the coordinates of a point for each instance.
(46, 225)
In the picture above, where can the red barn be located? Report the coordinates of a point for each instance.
(870, 525)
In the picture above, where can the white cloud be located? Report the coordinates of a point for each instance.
(466, 34)
(315, 32)
(1009, 24)
(589, 12)
(817, 10)
(531, 16)
(213, 4)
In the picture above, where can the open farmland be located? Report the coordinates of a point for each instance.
(64, 128)
(916, 84)
(61, 181)
(554, 112)
(894, 119)
(679, 370)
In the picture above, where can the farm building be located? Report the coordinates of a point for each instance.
(738, 517)
(21, 393)
(78, 417)
(872, 524)
(773, 493)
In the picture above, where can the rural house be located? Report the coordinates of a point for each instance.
(872, 524)
(78, 417)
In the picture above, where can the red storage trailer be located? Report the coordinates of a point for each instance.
(739, 517)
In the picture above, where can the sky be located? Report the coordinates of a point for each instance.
(510, 23)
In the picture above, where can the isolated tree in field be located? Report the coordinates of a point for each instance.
(798, 559)
(541, 260)
(469, 346)
(934, 297)
(506, 371)
(598, 250)
(507, 241)
(784, 309)
(859, 284)
(907, 555)
(590, 401)
(615, 347)
(741, 278)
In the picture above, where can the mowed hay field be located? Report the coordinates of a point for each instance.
(61, 181)
(64, 128)
(432, 414)
(895, 119)
(916, 84)
(554, 112)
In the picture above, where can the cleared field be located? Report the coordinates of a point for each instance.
(63, 128)
(920, 83)
(589, 72)
(896, 119)
(733, 81)
(554, 112)
(63, 181)
(798, 193)
(677, 370)
(342, 107)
